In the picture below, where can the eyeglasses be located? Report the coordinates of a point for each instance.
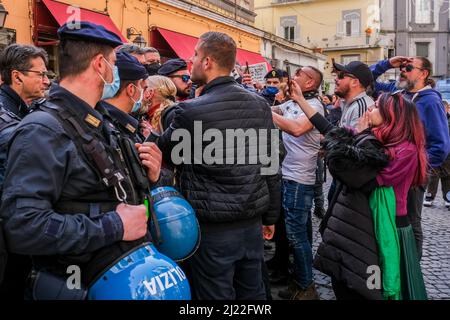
(342, 75)
(42, 74)
(409, 68)
(184, 77)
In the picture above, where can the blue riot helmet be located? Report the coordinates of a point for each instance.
(178, 225)
(142, 274)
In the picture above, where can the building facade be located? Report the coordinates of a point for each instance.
(419, 28)
(171, 26)
(343, 30)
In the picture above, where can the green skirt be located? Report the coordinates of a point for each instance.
(412, 284)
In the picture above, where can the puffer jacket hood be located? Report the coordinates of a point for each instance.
(349, 245)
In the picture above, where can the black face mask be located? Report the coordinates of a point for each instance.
(152, 68)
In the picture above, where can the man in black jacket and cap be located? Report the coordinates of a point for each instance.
(232, 199)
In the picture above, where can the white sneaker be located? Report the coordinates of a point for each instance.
(428, 203)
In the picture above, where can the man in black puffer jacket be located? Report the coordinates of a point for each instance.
(233, 194)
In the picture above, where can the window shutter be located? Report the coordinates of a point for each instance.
(356, 28)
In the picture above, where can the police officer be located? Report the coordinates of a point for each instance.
(273, 80)
(177, 71)
(128, 98)
(68, 198)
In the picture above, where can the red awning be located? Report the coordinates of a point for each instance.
(61, 14)
(243, 56)
(184, 45)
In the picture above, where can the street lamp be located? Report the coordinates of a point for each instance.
(139, 40)
(3, 14)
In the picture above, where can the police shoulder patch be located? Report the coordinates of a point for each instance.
(130, 128)
(93, 121)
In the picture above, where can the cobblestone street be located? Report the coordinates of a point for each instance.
(435, 261)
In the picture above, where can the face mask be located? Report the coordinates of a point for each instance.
(152, 68)
(110, 89)
(272, 90)
(137, 104)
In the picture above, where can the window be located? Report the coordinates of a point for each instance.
(289, 28)
(422, 49)
(391, 53)
(350, 26)
(289, 33)
(349, 58)
(423, 11)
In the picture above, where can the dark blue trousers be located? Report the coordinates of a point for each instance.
(227, 265)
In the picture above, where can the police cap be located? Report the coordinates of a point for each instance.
(172, 66)
(129, 67)
(275, 73)
(88, 31)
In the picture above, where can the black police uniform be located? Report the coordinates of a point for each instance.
(67, 172)
(57, 208)
(125, 123)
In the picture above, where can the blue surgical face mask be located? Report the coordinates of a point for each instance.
(110, 89)
(272, 90)
(137, 104)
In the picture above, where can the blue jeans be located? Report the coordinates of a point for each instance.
(297, 203)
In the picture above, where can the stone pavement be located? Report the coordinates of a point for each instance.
(435, 261)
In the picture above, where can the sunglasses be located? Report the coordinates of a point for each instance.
(409, 68)
(185, 78)
(342, 75)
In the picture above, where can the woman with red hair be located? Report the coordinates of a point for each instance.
(395, 123)
(387, 151)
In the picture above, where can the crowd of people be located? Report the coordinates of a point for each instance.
(76, 167)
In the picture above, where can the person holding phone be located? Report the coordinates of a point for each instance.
(302, 142)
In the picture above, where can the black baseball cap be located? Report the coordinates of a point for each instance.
(360, 70)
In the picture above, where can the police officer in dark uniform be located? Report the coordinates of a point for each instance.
(273, 80)
(128, 98)
(69, 196)
(177, 71)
